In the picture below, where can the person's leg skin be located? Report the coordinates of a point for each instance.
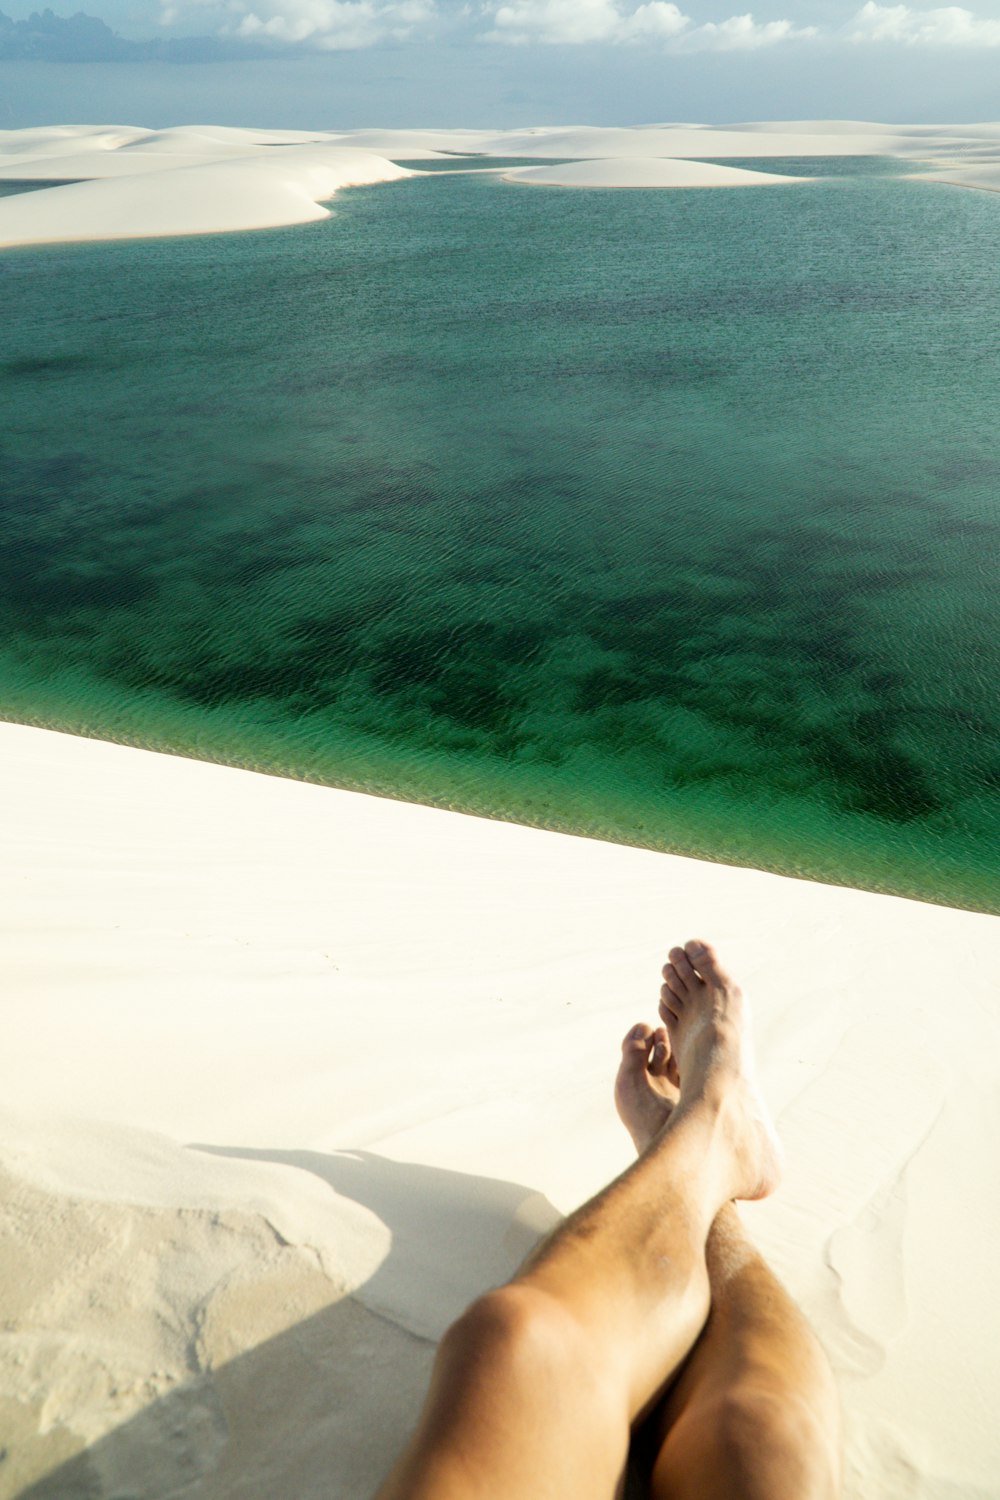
(753, 1413)
(536, 1387)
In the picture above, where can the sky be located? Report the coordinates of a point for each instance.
(341, 64)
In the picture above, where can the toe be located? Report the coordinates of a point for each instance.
(661, 1052)
(636, 1045)
(670, 1011)
(639, 1033)
(669, 1008)
(702, 956)
(684, 968)
(634, 1067)
(673, 986)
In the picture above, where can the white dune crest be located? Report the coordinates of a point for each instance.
(258, 191)
(63, 140)
(645, 172)
(219, 138)
(779, 138)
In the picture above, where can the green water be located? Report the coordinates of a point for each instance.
(668, 517)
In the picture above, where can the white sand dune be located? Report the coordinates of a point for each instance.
(972, 174)
(584, 141)
(863, 128)
(215, 140)
(289, 1074)
(63, 140)
(412, 144)
(50, 156)
(703, 141)
(767, 138)
(253, 191)
(87, 166)
(128, 182)
(644, 172)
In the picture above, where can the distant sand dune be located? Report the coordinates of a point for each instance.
(974, 174)
(644, 172)
(127, 182)
(138, 194)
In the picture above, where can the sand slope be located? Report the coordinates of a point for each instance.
(58, 153)
(983, 174)
(150, 195)
(289, 1074)
(645, 172)
(128, 183)
(766, 138)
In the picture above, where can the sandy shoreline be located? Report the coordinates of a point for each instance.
(132, 183)
(293, 1073)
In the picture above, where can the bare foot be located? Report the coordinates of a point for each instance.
(709, 1035)
(647, 1086)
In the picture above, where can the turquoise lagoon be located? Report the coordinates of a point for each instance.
(669, 518)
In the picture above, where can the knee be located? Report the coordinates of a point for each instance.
(517, 1330)
(758, 1440)
(779, 1434)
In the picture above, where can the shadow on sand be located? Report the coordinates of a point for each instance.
(319, 1411)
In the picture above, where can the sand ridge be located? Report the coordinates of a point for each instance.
(644, 172)
(179, 182)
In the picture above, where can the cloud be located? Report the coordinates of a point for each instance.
(329, 25)
(576, 22)
(45, 37)
(744, 34)
(949, 26)
(268, 28)
(50, 37)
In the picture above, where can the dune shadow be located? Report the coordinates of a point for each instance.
(453, 1234)
(320, 1410)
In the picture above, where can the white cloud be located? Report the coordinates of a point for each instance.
(328, 25)
(560, 22)
(948, 26)
(656, 19)
(575, 22)
(660, 24)
(744, 34)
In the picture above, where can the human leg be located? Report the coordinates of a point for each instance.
(538, 1384)
(753, 1412)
